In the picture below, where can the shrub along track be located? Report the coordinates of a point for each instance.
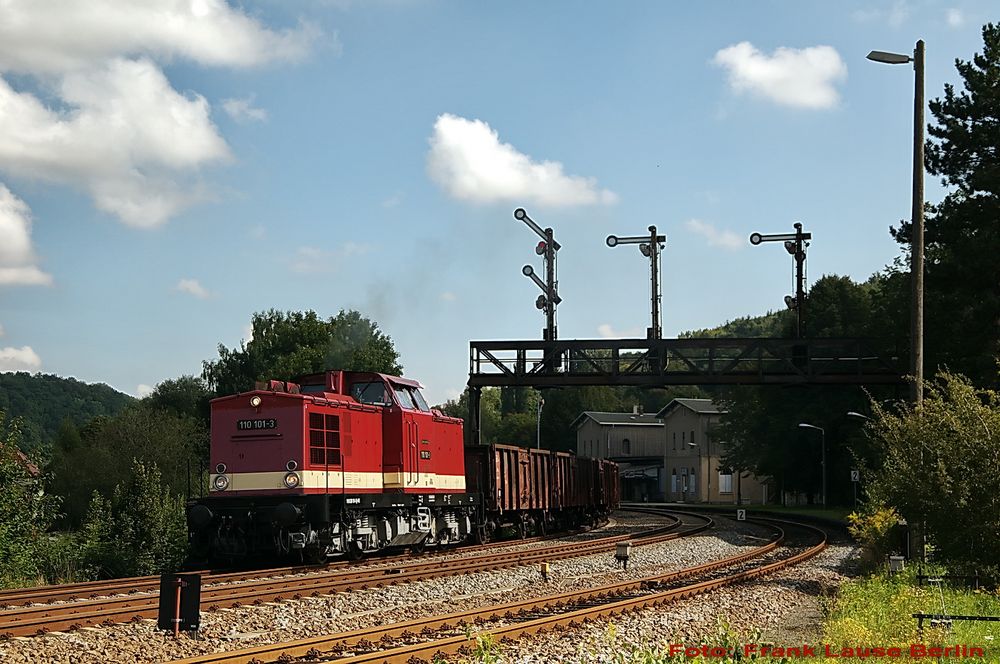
(424, 640)
(235, 589)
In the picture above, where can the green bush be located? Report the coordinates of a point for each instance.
(872, 527)
(140, 531)
(26, 512)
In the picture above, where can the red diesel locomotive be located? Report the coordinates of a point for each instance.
(354, 462)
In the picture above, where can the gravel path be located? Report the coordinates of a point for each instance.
(244, 627)
(786, 609)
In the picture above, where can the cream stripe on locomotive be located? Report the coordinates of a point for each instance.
(398, 480)
(317, 479)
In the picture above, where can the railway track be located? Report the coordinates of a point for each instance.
(135, 598)
(425, 639)
(143, 584)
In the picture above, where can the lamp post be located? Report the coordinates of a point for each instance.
(822, 433)
(538, 424)
(917, 216)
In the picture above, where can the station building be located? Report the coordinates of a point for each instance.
(673, 455)
(634, 441)
(693, 457)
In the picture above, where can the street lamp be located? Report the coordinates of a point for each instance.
(822, 433)
(858, 416)
(538, 425)
(917, 216)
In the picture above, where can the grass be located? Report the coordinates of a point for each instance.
(877, 611)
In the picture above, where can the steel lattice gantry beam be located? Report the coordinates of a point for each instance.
(663, 362)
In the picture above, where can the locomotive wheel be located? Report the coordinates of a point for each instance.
(418, 548)
(355, 552)
(522, 530)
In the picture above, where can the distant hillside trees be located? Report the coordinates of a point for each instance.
(44, 402)
(289, 344)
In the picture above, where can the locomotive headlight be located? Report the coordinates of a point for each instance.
(255, 400)
(291, 480)
(221, 483)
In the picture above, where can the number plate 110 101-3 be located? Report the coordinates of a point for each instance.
(256, 425)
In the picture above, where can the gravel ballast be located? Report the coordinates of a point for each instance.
(248, 626)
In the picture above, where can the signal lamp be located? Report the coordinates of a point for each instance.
(540, 248)
(540, 302)
(644, 250)
(790, 302)
(790, 247)
(527, 270)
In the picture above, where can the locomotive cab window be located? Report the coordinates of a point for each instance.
(403, 397)
(371, 393)
(418, 399)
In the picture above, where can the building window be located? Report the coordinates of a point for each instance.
(692, 436)
(675, 441)
(673, 480)
(324, 439)
(626, 446)
(694, 487)
(683, 441)
(725, 482)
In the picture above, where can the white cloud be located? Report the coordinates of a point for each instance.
(128, 138)
(243, 110)
(448, 296)
(716, 238)
(193, 287)
(393, 201)
(111, 123)
(63, 35)
(1, 331)
(800, 78)
(955, 17)
(470, 163)
(605, 331)
(313, 260)
(17, 257)
(894, 16)
(19, 359)
(248, 332)
(143, 390)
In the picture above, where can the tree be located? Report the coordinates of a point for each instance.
(101, 459)
(187, 395)
(289, 344)
(141, 530)
(26, 511)
(940, 466)
(489, 413)
(962, 242)
(760, 426)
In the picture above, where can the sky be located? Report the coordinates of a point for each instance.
(168, 168)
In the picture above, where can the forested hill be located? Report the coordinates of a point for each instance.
(44, 401)
(772, 324)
